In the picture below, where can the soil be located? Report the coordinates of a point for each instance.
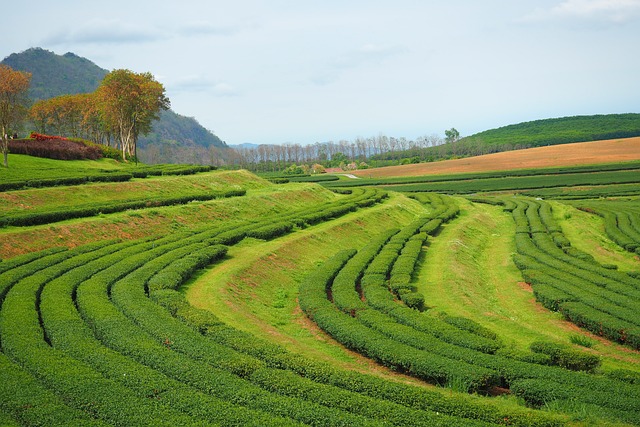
(582, 153)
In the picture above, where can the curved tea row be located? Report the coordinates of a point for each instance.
(354, 298)
(85, 342)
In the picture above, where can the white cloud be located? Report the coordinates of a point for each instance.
(205, 28)
(596, 11)
(199, 83)
(104, 32)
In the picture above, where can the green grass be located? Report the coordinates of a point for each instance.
(262, 199)
(467, 271)
(256, 288)
(586, 232)
(21, 166)
(43, 199)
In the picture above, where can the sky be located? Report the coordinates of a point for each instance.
(300, 71)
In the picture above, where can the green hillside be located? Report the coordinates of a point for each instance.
(54, 75)
(561, 130)
(164, 296)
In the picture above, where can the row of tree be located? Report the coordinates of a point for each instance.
(122, 108)
(278, 157)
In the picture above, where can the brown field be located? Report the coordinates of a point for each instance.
(582, 153)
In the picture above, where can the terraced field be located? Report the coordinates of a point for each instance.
(295, 305)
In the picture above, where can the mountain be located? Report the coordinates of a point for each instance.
(55, 75)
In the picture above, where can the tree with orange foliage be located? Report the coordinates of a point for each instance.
(62, 115)
(129, 103)
(13, 103)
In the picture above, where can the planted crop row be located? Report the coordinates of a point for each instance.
(615, 190)
(365, 310)
(322, 373)
(621, 221)
(45, 179)
(520, 183)
(593, 296)
(75, 382)
(374, 333)
(72, 212)
(558, 171)
(108, 371)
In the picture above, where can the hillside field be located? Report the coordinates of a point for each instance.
(581, 153)
(173, 295)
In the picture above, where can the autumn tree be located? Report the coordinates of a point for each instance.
(13, 103)
(129, 103)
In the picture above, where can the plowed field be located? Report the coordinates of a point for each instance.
(582, 153)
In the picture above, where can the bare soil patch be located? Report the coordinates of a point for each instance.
(582, 153)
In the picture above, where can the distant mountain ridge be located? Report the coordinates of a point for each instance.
(54, 75)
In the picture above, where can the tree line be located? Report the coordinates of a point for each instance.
(124, 106)
(348, 155)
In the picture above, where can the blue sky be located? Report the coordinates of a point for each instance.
(297, 71)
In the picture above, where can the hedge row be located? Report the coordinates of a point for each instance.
(520, 183)
(44, 178)
(77, 384)
(68, 332)
(287, 383)
(322, 311)
(596, 192)
(72, 212)
(29, 403)
(410, 396)
(355, 335)
(566, 357)
(115, 267)
(195, 360)
(591, 295)
(557, 173)
(621, 222)
(65, 180)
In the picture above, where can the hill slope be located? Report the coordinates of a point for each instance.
(562, 130)
(55, 75)
(582, 153)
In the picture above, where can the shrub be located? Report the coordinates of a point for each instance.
(566, 357)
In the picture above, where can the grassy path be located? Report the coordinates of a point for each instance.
(256, 288)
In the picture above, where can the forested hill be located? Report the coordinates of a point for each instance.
(55, 75)
(561, 131)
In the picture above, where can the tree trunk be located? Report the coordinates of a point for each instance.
(5, 147)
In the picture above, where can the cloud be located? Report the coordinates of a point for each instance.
(195, 83)
(204, 28)
(591, 11)
(104, 32)
(118, 32)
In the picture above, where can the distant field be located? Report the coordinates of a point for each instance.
(583, 153)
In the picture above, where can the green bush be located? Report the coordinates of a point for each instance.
(566, 357)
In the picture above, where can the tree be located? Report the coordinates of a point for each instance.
(13, 103)
(129, 103)
(451, 137)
